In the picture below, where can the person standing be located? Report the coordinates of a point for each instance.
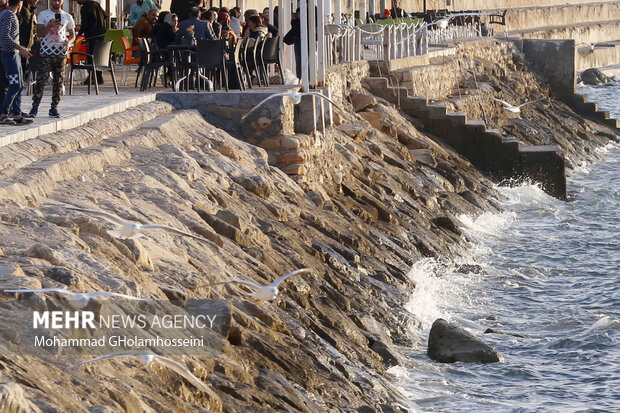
(10, 53)
(293, 37)
(53, 26)
(3, 6)
(139, 8)
(92, 26)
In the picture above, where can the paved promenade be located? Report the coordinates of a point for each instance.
(76, 110)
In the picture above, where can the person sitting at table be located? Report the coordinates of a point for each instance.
(139, 8)
(255, 30)
(144, 26)
(216, 28)
(235, 22)
(192, 27)
(164, 33)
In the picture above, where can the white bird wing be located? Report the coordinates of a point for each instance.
(326, 98)
(149, 227)
(532, 101)
(42, 290)
(115, 219)
(290, 274)
(503, 102)
(183, 371)
(263, 101)
(111, 294)
(126, 353)
(243, 282)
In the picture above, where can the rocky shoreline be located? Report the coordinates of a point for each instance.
(388, 195)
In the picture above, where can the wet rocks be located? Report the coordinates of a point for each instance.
(448, 343)
(594, 76)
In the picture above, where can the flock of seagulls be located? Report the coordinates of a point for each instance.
(125, 229)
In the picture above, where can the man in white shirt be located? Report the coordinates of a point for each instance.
(57, 29)
(139, 8)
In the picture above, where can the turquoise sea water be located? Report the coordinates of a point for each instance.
(551, 274)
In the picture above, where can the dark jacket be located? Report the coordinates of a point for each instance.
(217, 30)
(92, 19)
(27, 25)
(200, 29)
(163, 35)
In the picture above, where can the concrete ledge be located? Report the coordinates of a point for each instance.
(22, 133)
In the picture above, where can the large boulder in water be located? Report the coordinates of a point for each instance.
(448, 343)
(594, 77)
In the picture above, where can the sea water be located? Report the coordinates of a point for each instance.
(547, 275)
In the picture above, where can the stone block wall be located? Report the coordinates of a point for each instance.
(225, 110)
(437, 80)
(554, 60)
(346, 77)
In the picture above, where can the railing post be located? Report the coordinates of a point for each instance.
(320, 27)
(305, 81)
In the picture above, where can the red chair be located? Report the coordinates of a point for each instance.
(128, 59)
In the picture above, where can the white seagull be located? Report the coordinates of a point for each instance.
(443, 23)
(131, 229)
(81, 298)
(515, 109)
(295, 97)
(591, 46)
(146, 357)
(262, 292)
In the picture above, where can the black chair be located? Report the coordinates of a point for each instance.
(233, 64)
(210, 59)
(259, 67)
(100, 58)
(154, 61)
(271, 55)
(249, 56)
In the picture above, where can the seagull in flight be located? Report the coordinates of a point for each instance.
(262, 292)
(515, 109)
(146, 357)
(131, 229)
(443, 23)
(295, 97)
(590, 45)
(82, 299)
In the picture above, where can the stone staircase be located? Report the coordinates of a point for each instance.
(590, 109)
(500, 157)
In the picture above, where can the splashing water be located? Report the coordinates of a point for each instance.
(550, 272)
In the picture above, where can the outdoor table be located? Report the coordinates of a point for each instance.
(115, 35)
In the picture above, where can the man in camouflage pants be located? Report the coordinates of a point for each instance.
(57, 29)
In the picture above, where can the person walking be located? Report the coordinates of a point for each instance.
(11, 53)
(53, 26)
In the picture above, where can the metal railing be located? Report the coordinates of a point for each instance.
(373, 41)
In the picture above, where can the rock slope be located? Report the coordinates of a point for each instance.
(325, 343)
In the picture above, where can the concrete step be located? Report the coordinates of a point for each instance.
(457, 119)
(613, 123)
(437, 111)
